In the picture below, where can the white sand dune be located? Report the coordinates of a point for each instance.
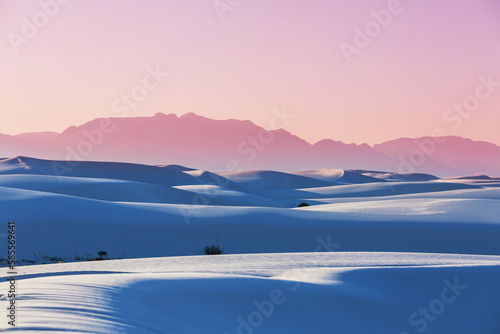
(370, 250)
(274, 180)
(148, 211)
(340, 176)
(265, 293)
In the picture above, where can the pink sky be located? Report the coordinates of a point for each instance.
(263, 55)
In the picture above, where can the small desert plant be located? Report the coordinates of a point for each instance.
(303, 204)
(103, 255)
(214, 249)
(37, 258)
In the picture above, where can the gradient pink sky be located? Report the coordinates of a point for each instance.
(263, 55)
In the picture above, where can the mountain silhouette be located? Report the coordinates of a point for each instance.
(232, 145)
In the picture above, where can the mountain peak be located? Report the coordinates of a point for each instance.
(190, 115)
(160, 115)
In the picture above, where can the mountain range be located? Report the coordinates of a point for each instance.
(234, 145)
